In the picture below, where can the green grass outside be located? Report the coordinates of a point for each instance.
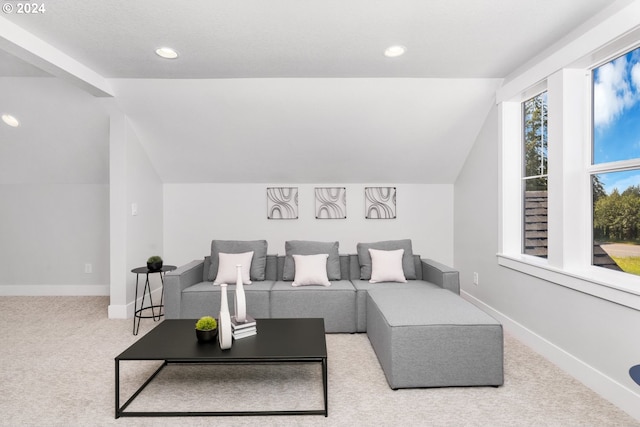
(628, 264)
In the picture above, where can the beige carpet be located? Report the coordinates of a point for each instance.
(57, 369)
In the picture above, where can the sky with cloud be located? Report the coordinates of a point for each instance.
(616, 117)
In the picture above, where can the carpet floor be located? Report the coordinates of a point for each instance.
(57, 369)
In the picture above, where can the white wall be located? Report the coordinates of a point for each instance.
(593, 339)
(195, 214)
(144, 189)
(49, 232)
(54, 190)
(134, 238)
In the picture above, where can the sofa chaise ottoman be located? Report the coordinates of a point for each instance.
(433, 338)
(423, 333)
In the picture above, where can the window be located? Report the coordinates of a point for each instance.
(615, 178)
(535, 175)
(569, 129)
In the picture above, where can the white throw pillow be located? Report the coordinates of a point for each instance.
(386, 266)
(227, 272)
(310, 270)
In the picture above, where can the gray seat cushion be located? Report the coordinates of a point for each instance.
(428, 307)
(203, 299)
(363, 287)
(335, 303)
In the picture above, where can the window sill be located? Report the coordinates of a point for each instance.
(620, 288)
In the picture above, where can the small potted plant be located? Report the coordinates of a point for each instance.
(206, 329)
(154, 263)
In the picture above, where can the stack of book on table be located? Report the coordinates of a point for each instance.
(243, 329)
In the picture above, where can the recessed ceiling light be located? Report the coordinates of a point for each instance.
(10, 120)
(395, 51)
(166, 52)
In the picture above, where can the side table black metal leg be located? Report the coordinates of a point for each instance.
(161, 296)
(135, 309)
(140, 309)
(147, 290)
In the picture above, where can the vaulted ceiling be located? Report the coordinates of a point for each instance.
(281, 90)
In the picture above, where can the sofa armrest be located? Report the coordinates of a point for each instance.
(441, 275)
(176, 281)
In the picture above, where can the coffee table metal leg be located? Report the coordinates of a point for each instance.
(118, 388)
(120, 410)
(325, 386)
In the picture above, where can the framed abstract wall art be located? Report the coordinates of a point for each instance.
(380, 202)
(282, 202)
(331, 202)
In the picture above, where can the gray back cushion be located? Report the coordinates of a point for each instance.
(418, 266)
(307, 247)
(345, 266)
(258, 262)
(272, 267)
(364, 258)
(206, 269)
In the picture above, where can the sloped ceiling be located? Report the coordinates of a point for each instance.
(63, 138)
(292, 90)
(307, 130)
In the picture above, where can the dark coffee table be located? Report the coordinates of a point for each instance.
(283, 341)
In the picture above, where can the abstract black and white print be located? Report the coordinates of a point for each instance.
(380, 202)
(282, 202)
(331, 202)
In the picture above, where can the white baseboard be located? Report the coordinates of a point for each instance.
(117, 312)
(618, 394)
(54, 290)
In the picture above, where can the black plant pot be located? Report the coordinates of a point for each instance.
(154, 266)
(207, 336)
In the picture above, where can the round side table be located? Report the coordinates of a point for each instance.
(138, 312)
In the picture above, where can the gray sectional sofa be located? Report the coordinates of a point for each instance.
(403, 320)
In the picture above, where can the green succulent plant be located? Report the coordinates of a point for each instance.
(206, 323)
(154, 258)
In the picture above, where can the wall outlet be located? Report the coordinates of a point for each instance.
(88, 268)
(475, 278)
(134, 209)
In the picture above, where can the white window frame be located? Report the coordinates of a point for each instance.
(569, 261)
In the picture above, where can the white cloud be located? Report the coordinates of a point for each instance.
(635, 76)
(614, 90)
(627, 180)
